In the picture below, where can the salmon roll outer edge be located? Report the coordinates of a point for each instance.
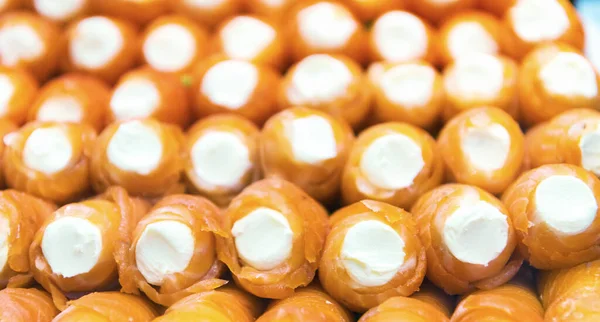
(429, 293)
(6, 127)
(275, 12)
(436, 11)
(207, 15)
(26, 305)
(108, 306)
(367, 11)
(10, 5)
(404, 309)
(139, 12)
(496, 7)
(24, 91)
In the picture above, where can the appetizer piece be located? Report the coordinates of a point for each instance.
(6, 127)
(139, 12)
(64, 10)
(275, 236)
(142, 156)
(367, 11)
(400, 36)
(306, 304)
(433, 295)
(207, 13)
(272, 10)
(479, 79)
(222, 157)
(21, 217)
(483, 147)
(50, 160)
(469, 238)
(308, 148)
(173, 44)
(371, 254)
(437, 11)
(144, 93)
(529, 23)
(325, 27)
(554, 209)
(173, 249)
(406, 92)
(497, 7)
(11, 5)
(331, 83)
(404, 309)
(108, 307)
(75, 97)
(235, 86)
(393, 163)
(555, 78)
(18, 89)
(26, 305)
(100, 46)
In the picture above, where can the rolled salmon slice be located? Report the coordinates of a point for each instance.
(19, 90)
(108, 307)
(559, 287)
(429, 293)
(26, 305)
(276, 11)
(139, 12)
(438, 11)
(407, 309)
(11, 5)
(208, 14)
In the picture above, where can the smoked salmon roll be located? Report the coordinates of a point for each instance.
(6, 127)
(404, 309)
(29, 42)
(22, 215)
(235, 86)
(207, 13)
(19, 89)
(50, 160)
(308, 148)
(529, 23)
(433, 295)
(222, 157)
(139, 12)
(143, 156)
(101, 46)
(479, 79)
(372, 253)
(144, 93)
(26, 305)
(400, 36)
(554, 209)
(272, 10)
(80, 246)
(173, 44)
(437, 11)
(469, 238)
(483, 147)
(108, 307)
(62, 11)
(275, 237)
(410, 92)
(367, 11)
(496, 7)
(306, 304)
(555, 78)
(332, 83)
(393, 163)
(325, 27)
(75, 97)
(11, 5)
(173, 249)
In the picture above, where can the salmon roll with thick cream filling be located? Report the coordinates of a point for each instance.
(108, 307)
(208, 13)
(26, 305)
(135, 11)
(437, 11)
(18, 90)
(62, 11)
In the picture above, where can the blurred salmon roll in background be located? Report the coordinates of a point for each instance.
(529, 23)
(222, 157)
(497, 7)
(11, 5)
(62, 11)
(404, 309)
(308, 148)
(76, 98)
(367, 11)
(393, 163)
(480, 79)
(331, 83)
(275, 238)
(275, 10)
(26, 305)
(429, 293)
(18, 90)
(555, 212)
(108, 307)
(135, 11)
(483, 147)
(30, 42)
(469, 238)
(6, 127)
(207, 13)
(100, 46)
(50, 160)
(437, 11)
(409, 92)
(555, 78)
(372, 253)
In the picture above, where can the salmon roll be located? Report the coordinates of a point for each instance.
(11, 5)
(108, 307)
(404, 309)
(139, 12)
(22, 215)
(438, 11)
(529, 23)
(555, 212)
(367, 11)
(236, 86)
(144, 93)
(173, 44)
(18, 90)
(6, 127)
(325, 27)
(26, 305)
(273, 10)
(62, 11)
(308, 148)
(207, 13)
(429, 293)
(101, 46)
(478, 80)
(79, 247)
(555, 78)
(497, 7)
(50, 160)
(275, 237)
(251, 38)
(372, 253)
(143, 156)
(469, 238)
(332, 83)
(74, 97)
(222, 157)
(400, 36)
(392, 162)
(483, 147)
(29, 42)
(409, 92)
